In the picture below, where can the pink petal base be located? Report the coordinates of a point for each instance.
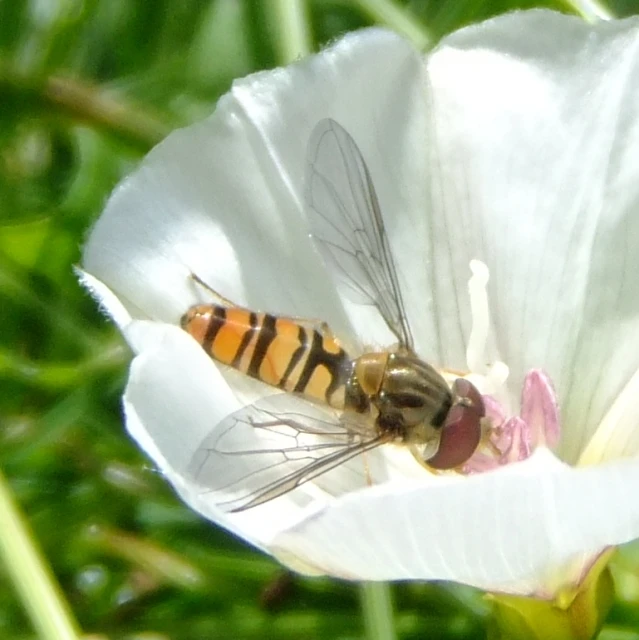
(513, 439)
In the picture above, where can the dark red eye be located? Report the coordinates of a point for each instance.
(461, 432)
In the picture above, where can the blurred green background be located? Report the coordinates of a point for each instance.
(86, 88)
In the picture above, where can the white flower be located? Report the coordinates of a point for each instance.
(515, 144)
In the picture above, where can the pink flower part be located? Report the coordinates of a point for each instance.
(513, 439)
(539, 409)
(494, 411)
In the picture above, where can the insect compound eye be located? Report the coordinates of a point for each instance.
(461, 432)
(467, 392)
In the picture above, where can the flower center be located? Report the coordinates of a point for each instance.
(506, 439)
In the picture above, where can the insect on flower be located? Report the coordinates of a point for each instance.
(334, 406)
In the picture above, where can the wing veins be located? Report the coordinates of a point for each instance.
(304, 445)
(358, 229)
(307, 473)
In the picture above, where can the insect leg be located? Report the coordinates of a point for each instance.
(221, 299)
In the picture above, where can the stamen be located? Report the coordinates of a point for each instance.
(496, 376)
(515, 438)
(539, 409)
(476, 349)
(493, 375)
(506, 440)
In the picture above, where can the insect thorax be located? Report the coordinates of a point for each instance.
(406, 397)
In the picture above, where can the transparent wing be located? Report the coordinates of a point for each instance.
(347, 225)
(275, 445)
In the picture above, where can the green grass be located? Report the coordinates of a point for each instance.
(86, 88)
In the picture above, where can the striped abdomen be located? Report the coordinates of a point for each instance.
(278, 351)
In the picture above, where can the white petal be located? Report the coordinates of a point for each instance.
(108, 301)
(535, 156)
(502, 530)
(617, 435)
(224, 198)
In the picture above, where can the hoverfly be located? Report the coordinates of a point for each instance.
(335, 406)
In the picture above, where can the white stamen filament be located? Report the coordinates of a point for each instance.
(494, 374)
(498, 372)
(476, 349)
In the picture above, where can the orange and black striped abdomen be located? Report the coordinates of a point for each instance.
(278, 351)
